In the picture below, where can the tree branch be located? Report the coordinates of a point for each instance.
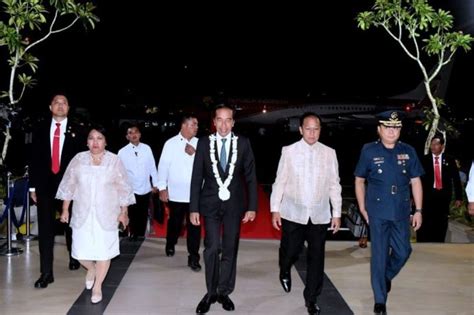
(12, 79)
(65, 28)
(399, 41)
(47, 34)
(438, 67)
(448, 60)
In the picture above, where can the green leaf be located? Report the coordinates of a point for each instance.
(4, 94)
(26, 21)
(365, 20)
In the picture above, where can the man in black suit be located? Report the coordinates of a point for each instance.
(55, 143)
(439, 181)
(223, 166)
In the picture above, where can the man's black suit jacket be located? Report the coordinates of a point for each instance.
(41, 177)
(449, 177)
(204, 188)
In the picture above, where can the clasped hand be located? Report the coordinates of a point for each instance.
(64, 216)
(123, 218)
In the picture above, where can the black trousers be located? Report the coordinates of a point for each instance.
(292, 240)
(179, 211)
(221, 271)
(435, 217)
(48, 207)
(138, 215)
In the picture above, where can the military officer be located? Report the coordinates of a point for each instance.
(389, 167)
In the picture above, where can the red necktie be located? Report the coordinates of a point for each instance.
(55, 155)
(438, 182)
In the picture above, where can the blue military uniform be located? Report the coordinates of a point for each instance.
(388, 173)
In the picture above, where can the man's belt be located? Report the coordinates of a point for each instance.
(394, 189)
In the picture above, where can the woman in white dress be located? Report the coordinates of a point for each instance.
(97, 182)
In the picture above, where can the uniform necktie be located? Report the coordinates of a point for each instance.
(223, 157)
(437, 169)
(55, 155)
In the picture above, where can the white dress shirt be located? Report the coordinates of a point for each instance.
(62, 135)
(307, 180)
(470, 185)
(176, 167)
(140, 165)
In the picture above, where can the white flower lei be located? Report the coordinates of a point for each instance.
(224, 193)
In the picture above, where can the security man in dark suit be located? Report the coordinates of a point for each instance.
(223, 166)
(55, 142)
(383, 176)
(439, 182)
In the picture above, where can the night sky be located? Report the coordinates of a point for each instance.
(148, 53)
(161, 54)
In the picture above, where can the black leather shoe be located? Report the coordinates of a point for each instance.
(285, 280)
(380, 309)
(205, 304)
(388, 285)
(43, 281)
(226, 302)
(74, 264)
(313, 308)
(169, 251)
(194, 265)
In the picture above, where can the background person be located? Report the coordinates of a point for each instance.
(440, 181)
(470, 190)
(55, 142)
(97, 182)
(139, 162)
(174, 181)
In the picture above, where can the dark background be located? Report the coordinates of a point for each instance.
(146, 52)
(149, 53)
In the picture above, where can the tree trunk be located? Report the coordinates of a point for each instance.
(5, 145)
(431, 133)
(434, 124)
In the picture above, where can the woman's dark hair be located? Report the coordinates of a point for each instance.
(98, 128)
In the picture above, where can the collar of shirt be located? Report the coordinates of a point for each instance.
(307, 146)
(62, 122)
(227, 143)
(135, 149)
(440, 157)
(182, 138)
(62, 134)
(228, 137)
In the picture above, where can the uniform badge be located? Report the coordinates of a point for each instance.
(378, 160)
(403, 156)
